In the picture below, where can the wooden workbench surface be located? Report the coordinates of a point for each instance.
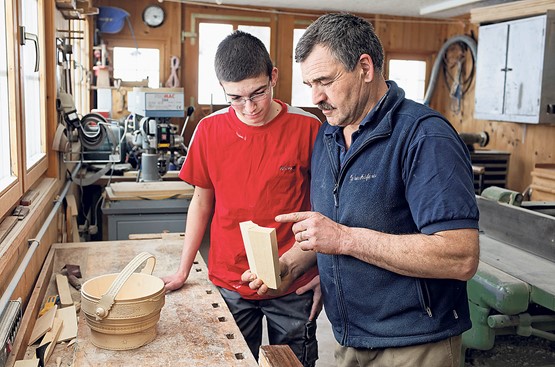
(195, 327)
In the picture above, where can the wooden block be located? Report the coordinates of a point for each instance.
(69, 326)
(72, 204)
(63, 290)
(263, 249)
(27, 363)
(6, 226)
(43, 324)
(278, 356)
(65, 4)
(51, 338)
(29, 197)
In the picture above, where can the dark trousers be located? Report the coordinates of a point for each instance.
(287, 319)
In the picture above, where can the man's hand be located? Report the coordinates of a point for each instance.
(317, 305)
(316, 232)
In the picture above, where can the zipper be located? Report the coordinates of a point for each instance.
(426, 299)
(338, 173)
(335, 196)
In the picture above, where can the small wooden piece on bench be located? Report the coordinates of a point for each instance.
(63, 290)
(277, 356)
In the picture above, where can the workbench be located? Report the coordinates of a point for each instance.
(196, 327)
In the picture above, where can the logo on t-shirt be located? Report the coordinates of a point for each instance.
(287, 168)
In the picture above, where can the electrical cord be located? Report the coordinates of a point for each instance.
(456, 83)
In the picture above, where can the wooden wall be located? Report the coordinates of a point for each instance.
(527, 144)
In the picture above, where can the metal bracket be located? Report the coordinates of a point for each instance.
(188, 35)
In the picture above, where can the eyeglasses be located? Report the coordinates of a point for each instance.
(256, 97)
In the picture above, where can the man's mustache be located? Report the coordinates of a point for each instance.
(325, 106)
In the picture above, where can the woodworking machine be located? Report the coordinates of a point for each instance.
(513, 290)
(155, 139)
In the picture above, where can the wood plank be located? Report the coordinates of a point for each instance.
(154, 188)
(541, 193)
(169, 174)
(69, 326)
(72, 204)
(63, 290)
(51, 338)
(512, 10)
(149, 190)
(278, 356)
(43, 325)
(6, 226)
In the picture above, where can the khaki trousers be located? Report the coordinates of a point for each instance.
(445, 353)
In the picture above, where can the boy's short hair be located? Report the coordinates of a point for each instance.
(242, 56)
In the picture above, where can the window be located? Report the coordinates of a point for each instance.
(23, 159)
(135, 64)
(34, 113)
(410, 75)
(5, 156)
(301, 95)
(210, 36)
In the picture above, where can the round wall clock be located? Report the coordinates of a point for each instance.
(153, 16)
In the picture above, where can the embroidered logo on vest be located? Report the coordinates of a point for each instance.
(363, 177)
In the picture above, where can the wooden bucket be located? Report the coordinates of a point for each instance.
(122, 310)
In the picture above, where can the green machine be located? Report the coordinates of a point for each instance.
(513, 291)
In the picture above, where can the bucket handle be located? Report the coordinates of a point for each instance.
(107, 300)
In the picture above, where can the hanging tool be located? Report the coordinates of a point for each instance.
(173, 80)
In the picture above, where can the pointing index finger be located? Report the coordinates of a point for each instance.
(293, 217)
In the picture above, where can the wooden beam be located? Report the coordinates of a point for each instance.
(513, 10)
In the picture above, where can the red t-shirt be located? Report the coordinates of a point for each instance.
(256, 173)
